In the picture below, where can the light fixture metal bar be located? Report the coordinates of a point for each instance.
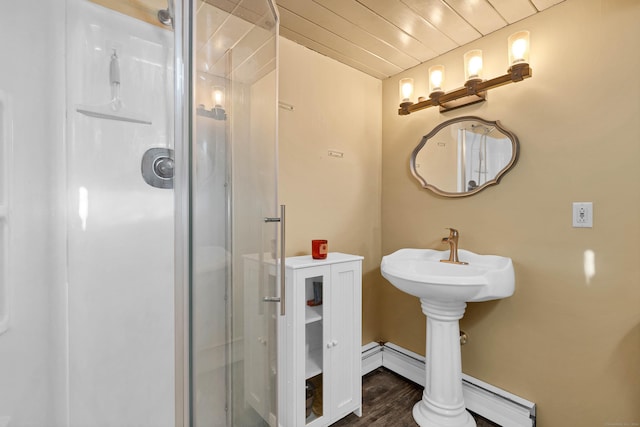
(475, 98)
(471, 93)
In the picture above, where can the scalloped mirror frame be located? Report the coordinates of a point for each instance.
(515, 144)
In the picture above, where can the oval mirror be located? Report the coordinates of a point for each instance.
(463, 156)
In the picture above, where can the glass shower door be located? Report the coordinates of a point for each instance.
(233, 189)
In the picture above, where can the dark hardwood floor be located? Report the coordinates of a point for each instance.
(387, 401)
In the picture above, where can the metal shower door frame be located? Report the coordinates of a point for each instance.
(183, 130)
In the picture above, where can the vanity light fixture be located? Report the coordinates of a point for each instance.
(475, 88)
(217, 112)
(217, 96)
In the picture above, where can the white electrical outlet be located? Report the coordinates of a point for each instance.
(583, 214)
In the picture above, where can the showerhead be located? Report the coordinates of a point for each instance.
(165, 16)
(486, 130)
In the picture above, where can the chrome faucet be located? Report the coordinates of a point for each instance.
(452, 240)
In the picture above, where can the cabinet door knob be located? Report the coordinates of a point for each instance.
(334, 342)
(329, 344)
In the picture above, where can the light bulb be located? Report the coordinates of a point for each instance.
(473, 61)
(406, 90)
(475, 66)
(436, 78)
(519, 48)
(218, 96)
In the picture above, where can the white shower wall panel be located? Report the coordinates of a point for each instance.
(120, 229)
(32, 349)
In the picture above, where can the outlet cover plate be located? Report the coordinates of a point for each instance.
(583, 214)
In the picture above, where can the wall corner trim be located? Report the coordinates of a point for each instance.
(493, 403)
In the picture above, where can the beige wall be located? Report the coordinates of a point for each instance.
(568, 344)
(338, 199)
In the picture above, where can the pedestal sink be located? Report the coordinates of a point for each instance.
(444, 289)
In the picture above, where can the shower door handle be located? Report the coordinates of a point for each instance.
(282, 298)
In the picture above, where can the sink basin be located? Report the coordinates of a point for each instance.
(420, 273)
(444, 290)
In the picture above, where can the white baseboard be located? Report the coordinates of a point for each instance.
(492, 403)
(371, 357)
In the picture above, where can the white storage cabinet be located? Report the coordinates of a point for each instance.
(321, 343)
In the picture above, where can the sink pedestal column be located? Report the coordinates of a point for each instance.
(442, 403)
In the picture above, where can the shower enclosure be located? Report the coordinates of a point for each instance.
(483, 154)
(138, 161)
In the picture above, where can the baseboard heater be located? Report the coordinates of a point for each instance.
(496, 405)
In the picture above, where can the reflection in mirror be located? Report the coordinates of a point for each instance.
(463, 156)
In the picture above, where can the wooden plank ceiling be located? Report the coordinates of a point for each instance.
(385, 37)
(378, 37)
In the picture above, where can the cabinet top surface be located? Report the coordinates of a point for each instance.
(332, 258)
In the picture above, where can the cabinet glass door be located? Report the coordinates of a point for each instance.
(314, 348)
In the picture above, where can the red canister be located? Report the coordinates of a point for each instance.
(319, 249)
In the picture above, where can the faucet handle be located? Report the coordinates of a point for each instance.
(452, 233)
